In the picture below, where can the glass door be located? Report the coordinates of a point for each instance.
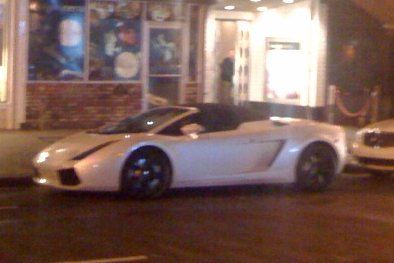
(164, 65)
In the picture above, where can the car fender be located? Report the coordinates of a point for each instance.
(336, 140)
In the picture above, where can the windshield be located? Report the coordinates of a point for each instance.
(143, 122)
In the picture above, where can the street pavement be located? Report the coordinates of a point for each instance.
(18, 147)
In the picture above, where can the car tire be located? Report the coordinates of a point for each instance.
(316, 167)
(147, 174)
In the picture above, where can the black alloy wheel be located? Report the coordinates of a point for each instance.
(316, 167)
(147, 174)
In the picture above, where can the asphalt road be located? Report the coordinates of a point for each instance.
(353, 221)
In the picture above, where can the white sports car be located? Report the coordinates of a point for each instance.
(192, 146)
(373, 147)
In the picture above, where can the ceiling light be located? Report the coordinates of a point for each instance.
(288, 1)
(229, 7)
(255, 1)
(262, 8)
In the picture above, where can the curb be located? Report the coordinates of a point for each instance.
(17, 182)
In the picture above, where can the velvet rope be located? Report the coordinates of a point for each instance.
(362, 112)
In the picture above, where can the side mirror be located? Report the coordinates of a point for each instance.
(192, 129)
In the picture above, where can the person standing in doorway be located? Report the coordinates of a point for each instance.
(226, 85)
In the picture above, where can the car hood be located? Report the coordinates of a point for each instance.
(71, 146)
(382, 126)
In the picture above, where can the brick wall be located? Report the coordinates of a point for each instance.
(85, 106)
(79, 106)
(192, 93)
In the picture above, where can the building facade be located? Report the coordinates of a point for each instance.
(79, 64)
(85, 63)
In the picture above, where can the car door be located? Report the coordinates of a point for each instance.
(217, 155)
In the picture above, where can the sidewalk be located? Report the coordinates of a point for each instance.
(17, 149)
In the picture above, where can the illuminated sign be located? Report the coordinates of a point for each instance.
(285, 70)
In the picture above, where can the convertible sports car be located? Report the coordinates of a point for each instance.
(373, 147)
(192, 146)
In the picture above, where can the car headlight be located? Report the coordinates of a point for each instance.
(42, 156)
(92, 150)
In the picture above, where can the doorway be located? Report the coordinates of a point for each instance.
(233, 35)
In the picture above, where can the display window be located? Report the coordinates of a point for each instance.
(80, 40)
(154, 45)
(285, 73)
(101, 40)
(115, 40)
(56, 40)
(193, 44)
(3, 62)
(2, 20)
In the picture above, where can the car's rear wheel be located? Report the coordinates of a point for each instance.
(316, 167)
(146, 174)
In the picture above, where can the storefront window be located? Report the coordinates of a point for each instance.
(2, 11)
(193, 42)
(56, 41)
(101, 41)
(115, 40)
(3, 68)
(160, 12)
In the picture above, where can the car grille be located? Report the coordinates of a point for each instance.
(375, 161)
(379, 139)
(69, 177)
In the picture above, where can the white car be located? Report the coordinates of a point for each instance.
(373, 147)
(192, 146)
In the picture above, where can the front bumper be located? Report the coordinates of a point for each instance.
(63, 178)
(374, 158)
(375, 163)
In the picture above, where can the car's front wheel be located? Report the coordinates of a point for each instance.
(146, 174)
(316, 167)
